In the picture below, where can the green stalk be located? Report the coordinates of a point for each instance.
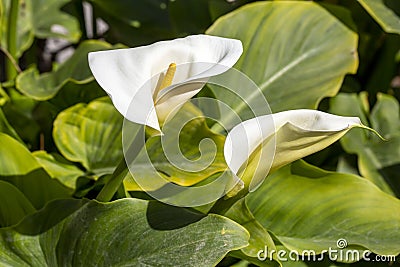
(109, 190)
(12, 38)
(224, 204)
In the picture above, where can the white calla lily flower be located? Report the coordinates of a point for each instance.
(293, 135)
(149, 79)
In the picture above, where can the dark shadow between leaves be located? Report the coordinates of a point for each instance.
(391, 175)
(52, 214)
(161, 216)
(33, 183)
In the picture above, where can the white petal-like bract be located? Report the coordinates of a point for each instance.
(281, 138)
(130, 75)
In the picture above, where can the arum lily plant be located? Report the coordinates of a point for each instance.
(146, 85)
(145, 91)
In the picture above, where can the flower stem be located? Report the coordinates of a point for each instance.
(224, 204)
(109, 190)
(12, 38)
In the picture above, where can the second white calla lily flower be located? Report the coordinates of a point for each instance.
(263, 144)
(146, 83)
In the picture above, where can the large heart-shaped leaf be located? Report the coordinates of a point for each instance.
(374, 155)
(296, 52)
(308, 208)
(388, 19)
(75, 70)
(19, 168)
(118, 234)
(90, 134)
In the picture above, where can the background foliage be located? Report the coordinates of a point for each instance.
(60, 138)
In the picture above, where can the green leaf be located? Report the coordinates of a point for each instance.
(259, 236)
(46, 16)
(25, 250)
(296, 52)
(19, 112)
(308, 208)
(342, 13)
(74, 70)
(385, 116)
(19, 168)
(382, 70)
(373, 154)
(13, 205)
(386, 17)
(218, 8)
(71, 94)
(57, 167)
(189, 22)
(15, 158)
(90, 134)
(38, 187)
(4, 98)
(251, 261)
(50, 215)
(135, 22)
(178, 238)
(6, 128)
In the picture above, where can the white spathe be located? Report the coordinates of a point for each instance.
(282, 138)
(130, 76)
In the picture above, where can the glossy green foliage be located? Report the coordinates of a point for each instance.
(386, 17)
(283, 55)
(62, 141)
(74, 70)
(91, 135)
(308, 208)
(133, 232)
(377, 159)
